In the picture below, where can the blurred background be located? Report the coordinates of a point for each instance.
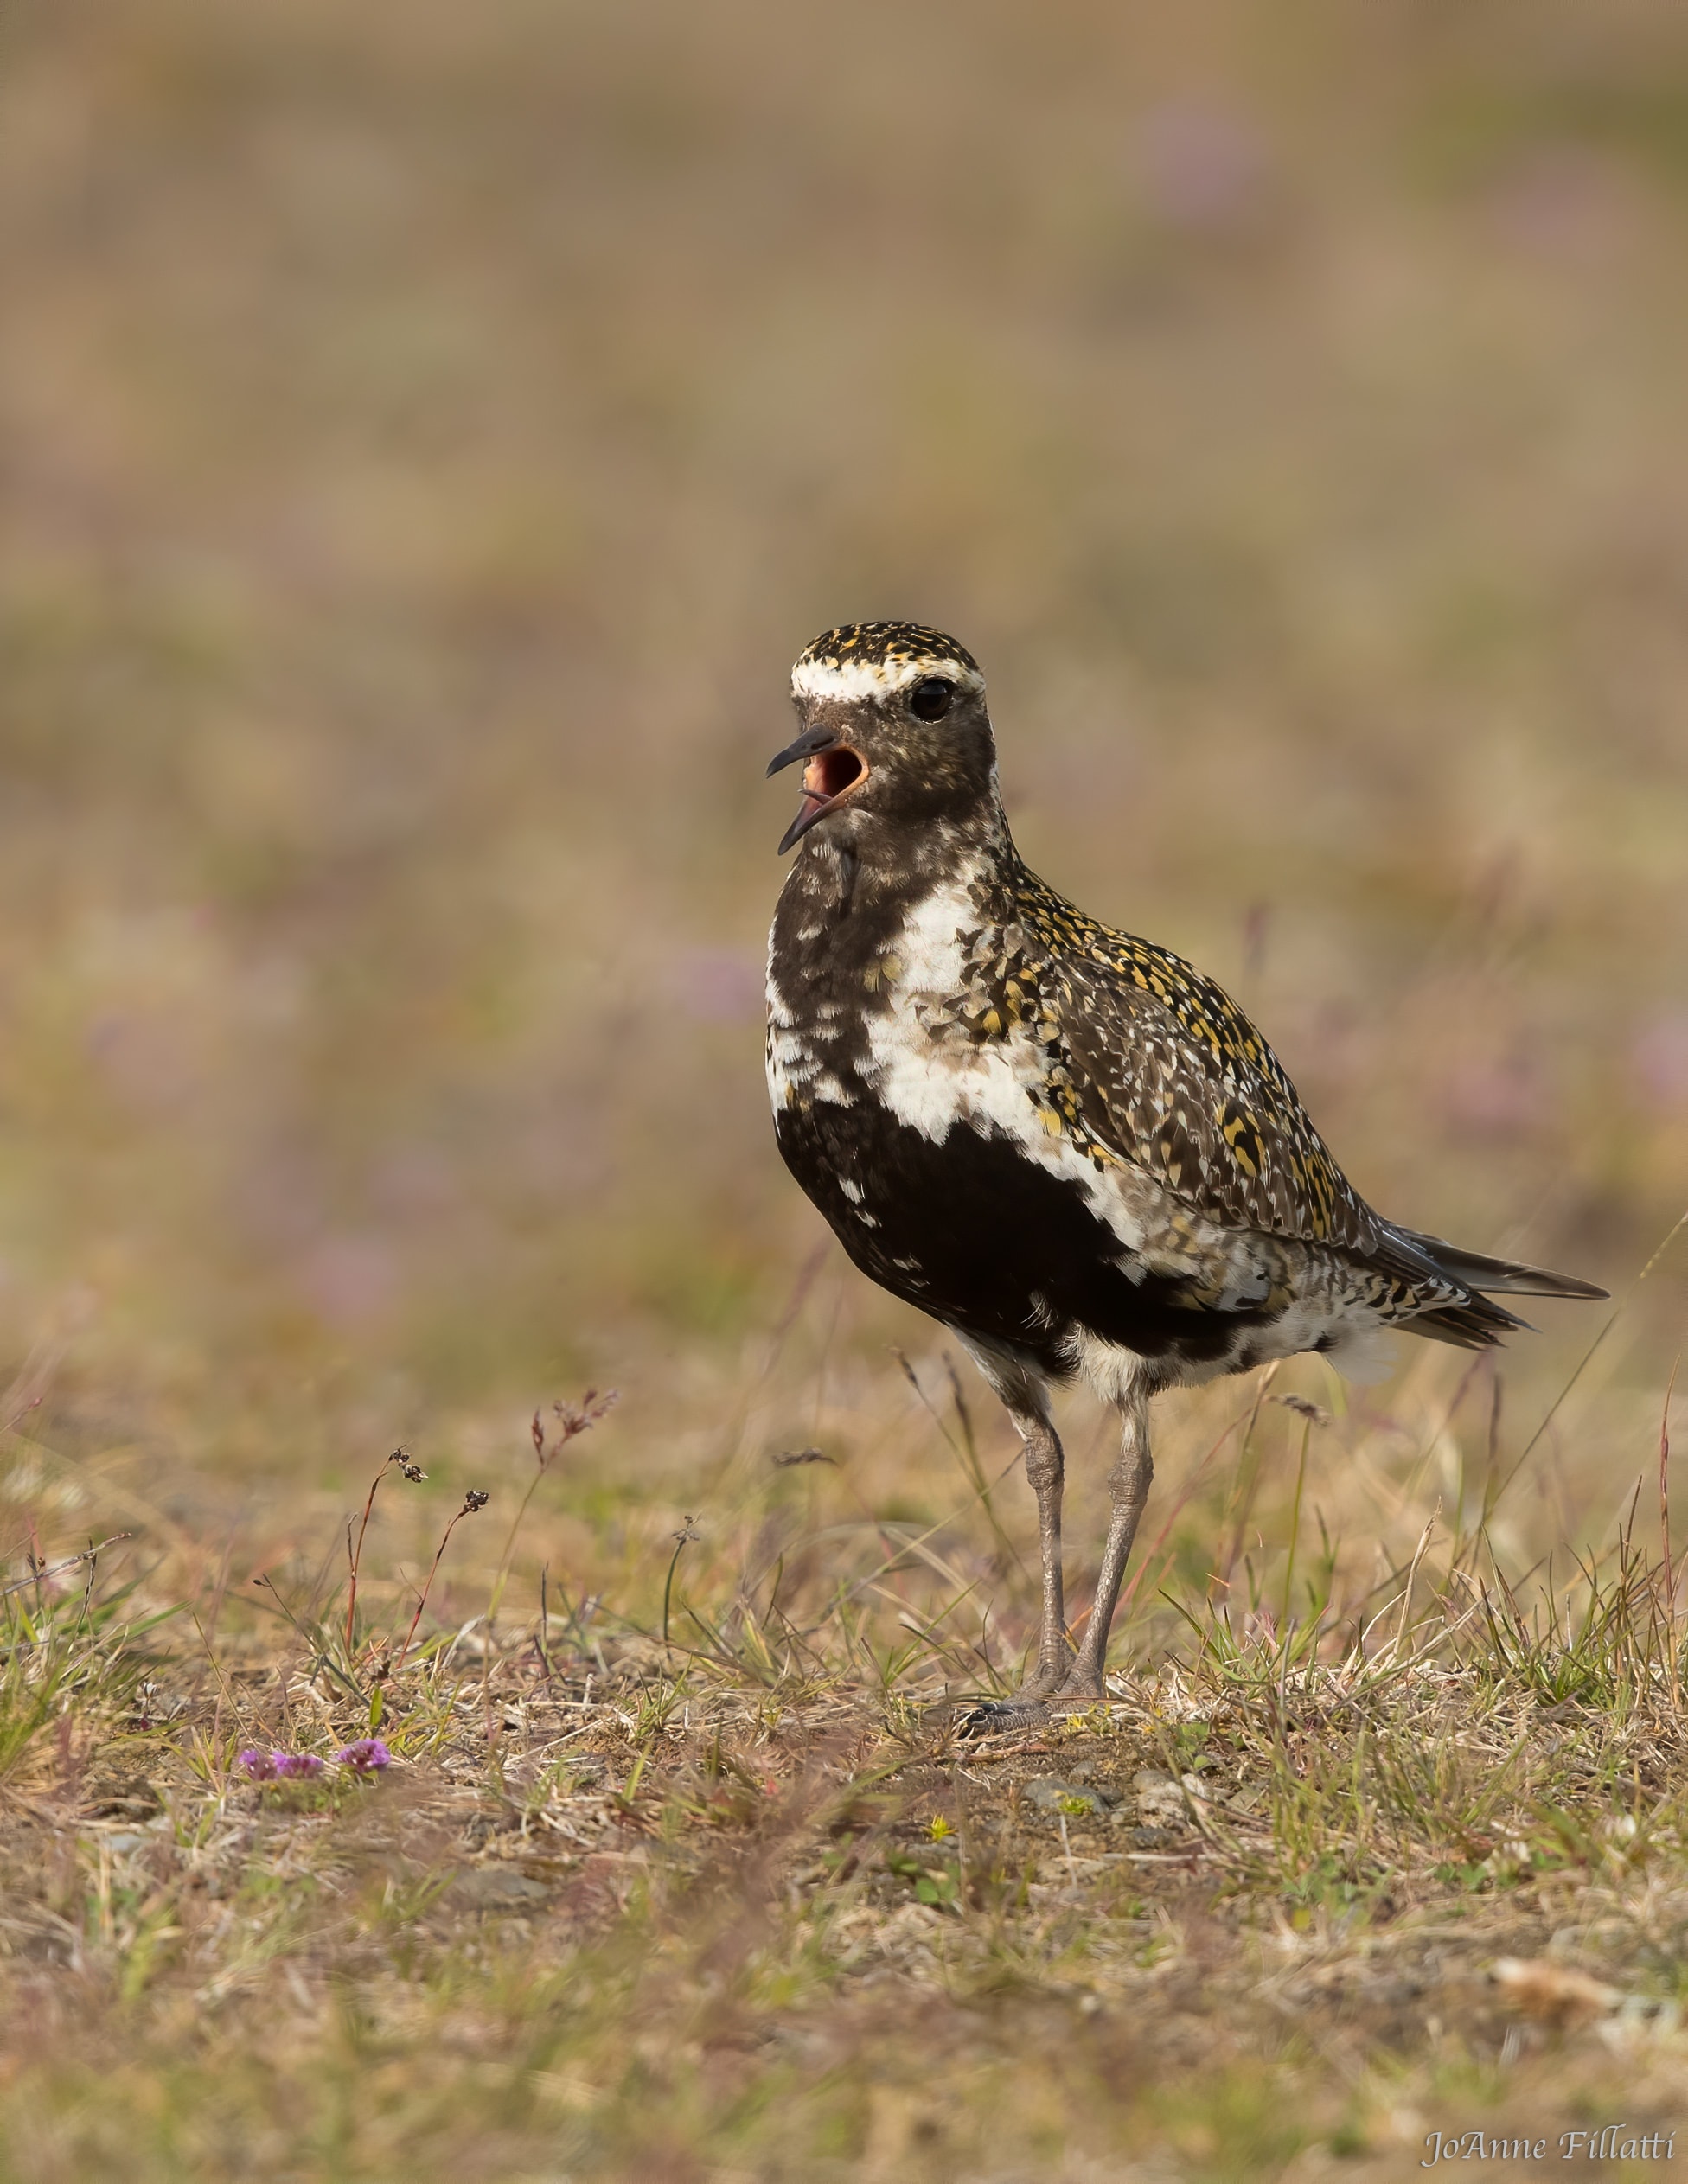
(428, 434)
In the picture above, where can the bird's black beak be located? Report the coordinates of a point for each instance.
(810, 741)
(832, 771)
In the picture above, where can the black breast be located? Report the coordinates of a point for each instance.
(987, 1240)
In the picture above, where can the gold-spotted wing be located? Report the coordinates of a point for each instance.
(1169, 1076)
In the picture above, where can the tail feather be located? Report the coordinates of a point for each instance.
(1474, 1324)
(1473, 1321)
(1476, 1271)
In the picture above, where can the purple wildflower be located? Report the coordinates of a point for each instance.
(368, 1755)
(260, 1765)
(295, 1766)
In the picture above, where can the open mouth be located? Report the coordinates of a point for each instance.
(829, 773)
(828, 778)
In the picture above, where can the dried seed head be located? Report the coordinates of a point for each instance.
(581, 1417)
(475, 1499)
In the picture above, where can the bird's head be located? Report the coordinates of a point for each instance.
(893, 733)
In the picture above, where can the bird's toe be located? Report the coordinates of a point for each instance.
(991, 1717)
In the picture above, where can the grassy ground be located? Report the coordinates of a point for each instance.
(1374, 1842)
(428, 433)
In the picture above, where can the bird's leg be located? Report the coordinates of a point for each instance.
(1029, 1408)
(1128, 1484)
(1044, 1468)
(1024, 1398)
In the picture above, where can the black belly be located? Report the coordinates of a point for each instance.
(992, 1243)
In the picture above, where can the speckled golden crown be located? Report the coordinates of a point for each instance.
(882, 644)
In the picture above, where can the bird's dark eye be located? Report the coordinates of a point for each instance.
(930, 698)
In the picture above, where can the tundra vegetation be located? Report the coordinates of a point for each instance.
(428, 434)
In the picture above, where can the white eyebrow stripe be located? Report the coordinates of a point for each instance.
(874, 678)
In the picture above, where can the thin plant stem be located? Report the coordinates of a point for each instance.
(1174, 1514)
(967, 1455)
(681, 1542)
(1665, 1528)
(355, 1554)
(1247, 1482)
(89, 1555)
(509, 1544)
(472, 1501)
(575, 1420)
(1295, 1525)
(1553, 1408)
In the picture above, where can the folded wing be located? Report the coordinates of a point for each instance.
(1171, 1078)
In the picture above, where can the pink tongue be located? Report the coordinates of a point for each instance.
(812, 799)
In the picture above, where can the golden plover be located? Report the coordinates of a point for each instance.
(1064, 1143)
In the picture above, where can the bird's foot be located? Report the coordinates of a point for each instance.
(994, 1717)
(1029, 1705)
